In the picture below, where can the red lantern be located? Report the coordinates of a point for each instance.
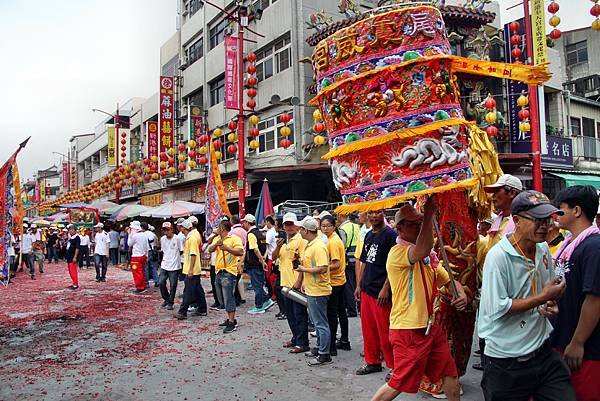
(489, 103)
(232, 125)
(553, 8)
(203, 160)
(251, 92)
(492, 131)
(555, 34)
(285, 118)
(181, 167)
(217, 143)
(164, 157)
(192, 154)
(318, 127)
(123, 142)
(595, 10)
(514, 26)
(251, 104)
(251, 57)
(123, 134)
(147, 161)
(253, 132)
(252, 81)
(181, 147)
(204, 138)
(171, 161)
(523, 114)
(285, 143)
(251, 69)
(123, 148)
(515, 40)
(147, 178)
(232, 148)
(163, 173)
(516, 53)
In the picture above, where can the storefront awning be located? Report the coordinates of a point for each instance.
(579, 179)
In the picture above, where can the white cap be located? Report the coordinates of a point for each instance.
(187, 224)
(323, 214)
(290, 217)
(505, 180)
(249, 218)
(309, 223)
(167, 224)
(180, 221)
(34, 225)
(193, 219)
(135, 225)
(99, 225)
(25, 225)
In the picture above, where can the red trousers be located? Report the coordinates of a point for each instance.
(375, 323)
(585, 381)
(271, 278)
(73, 273)
(138, 263)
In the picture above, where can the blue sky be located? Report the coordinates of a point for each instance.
(62, 58)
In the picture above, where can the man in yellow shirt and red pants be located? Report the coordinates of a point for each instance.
(420, 347)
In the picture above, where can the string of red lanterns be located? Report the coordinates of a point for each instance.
(553, 8)
(523, 102)
(285, 131)
(515, 41)
(491, 116)
(318, 128)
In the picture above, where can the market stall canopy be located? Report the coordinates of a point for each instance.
(41, 222)
(175, 209)
(73, 205)
(128, 211)
(56, 217)
(103, 205)
(579, 179)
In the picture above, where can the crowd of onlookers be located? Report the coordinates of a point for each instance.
(539, 301)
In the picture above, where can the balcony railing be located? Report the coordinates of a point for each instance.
(586, 147)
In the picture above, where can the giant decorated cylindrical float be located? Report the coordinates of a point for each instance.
(388, 93)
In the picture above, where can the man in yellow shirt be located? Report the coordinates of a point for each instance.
(228, 249)
(336, 307)
(191, 271)
(288, 252)
(419, 346)
(315, 280)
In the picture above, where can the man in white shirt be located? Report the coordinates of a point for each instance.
(170, 267)
(137, 241)
(84, 249)
(272, 273)
(180, 236)
(101, 247)
(27, 250)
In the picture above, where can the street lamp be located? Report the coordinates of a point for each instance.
(116, 119)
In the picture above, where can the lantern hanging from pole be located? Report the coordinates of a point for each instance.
(491, 116)
(523, 102)
(554, 20)
(515, 41)
(595, 11)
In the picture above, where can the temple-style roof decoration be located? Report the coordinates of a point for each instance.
(453, 16)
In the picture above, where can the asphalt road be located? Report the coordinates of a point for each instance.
(102, 342)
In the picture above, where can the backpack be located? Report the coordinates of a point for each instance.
(251, 259)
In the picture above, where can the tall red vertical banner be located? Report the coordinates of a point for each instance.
(231, 72)
(152, 139)
(166, 119)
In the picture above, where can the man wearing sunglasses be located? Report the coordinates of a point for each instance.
(518, 294)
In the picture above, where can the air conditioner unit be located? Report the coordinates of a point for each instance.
(183, 63)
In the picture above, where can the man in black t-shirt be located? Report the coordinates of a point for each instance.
(51, 245)
(373, 292)
(576, 327)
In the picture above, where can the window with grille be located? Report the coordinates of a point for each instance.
(274, 58)
(196, 98)
(195, 51)
(269, 137)
(575, 126)
(577, 53)
(194, 6)
(217, 33)
(217, 90)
